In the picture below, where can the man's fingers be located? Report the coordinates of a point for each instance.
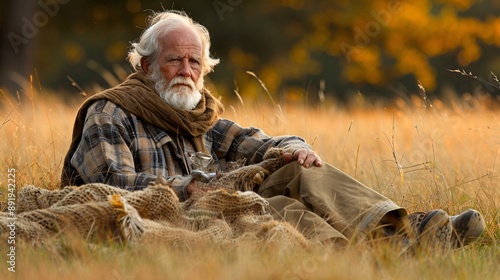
(300, 155)
(192, 187)
(303, 157)
(310, 160)
(288, 157)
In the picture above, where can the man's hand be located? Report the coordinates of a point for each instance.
(185, 180)
(304, 157)
(192, 187)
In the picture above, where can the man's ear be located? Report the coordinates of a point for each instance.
(145, 64)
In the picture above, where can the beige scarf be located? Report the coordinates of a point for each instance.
(137, 95)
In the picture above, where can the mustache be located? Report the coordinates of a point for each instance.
(182, 81)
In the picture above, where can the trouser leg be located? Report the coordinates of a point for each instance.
(312, 226)
(326, 194)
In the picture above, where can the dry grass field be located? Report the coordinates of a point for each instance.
(442, 155)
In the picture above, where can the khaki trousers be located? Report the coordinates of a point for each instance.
(325, 203)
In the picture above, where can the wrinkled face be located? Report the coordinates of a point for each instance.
(177, 73)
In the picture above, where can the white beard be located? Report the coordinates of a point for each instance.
(181, 92)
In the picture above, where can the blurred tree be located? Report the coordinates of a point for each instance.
(372, 45)
(297, 48)
(18, 32)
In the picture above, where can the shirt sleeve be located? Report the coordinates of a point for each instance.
(104, 154)
(233, 142)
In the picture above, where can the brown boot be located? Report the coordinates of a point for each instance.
(432, 229)
(467, 227)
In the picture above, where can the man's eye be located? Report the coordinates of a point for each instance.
(195, 61)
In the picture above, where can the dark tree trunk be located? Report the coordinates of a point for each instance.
(17, 44)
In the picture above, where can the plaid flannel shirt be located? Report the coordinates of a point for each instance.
(119, 149)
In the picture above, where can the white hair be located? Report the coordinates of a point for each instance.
(160, 24)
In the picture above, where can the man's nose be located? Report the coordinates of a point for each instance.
(185, 68)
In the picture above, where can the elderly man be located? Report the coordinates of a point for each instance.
(161, 116)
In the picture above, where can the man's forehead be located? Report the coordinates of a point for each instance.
(182, 38)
